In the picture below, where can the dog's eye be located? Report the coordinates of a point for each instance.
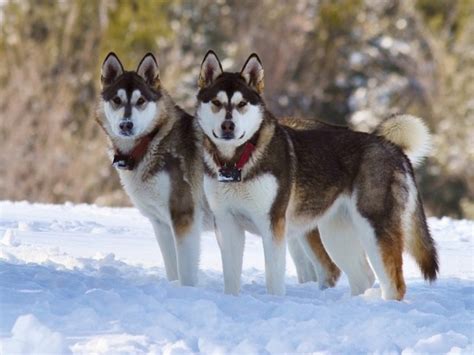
(216, 103)
(242, 104)
(140, 101)
(117, 100)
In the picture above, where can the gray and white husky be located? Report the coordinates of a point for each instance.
(359, 189)
(157, 150)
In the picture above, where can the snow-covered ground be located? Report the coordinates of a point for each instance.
(84, 279)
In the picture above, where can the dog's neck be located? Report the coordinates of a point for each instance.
(259, 140)
(125, 146)
(227, 151)
(130, 159)
(225, 156)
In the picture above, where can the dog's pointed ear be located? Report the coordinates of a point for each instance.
(252, 72)
(148, 70)
(111, 69)
(211, 68)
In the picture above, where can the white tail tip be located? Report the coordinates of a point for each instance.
(408, 132)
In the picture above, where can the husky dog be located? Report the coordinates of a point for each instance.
(359, 189)
(309, 256)
(157, 153)
(157, 150)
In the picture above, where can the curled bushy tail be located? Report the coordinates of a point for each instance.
(408, 132)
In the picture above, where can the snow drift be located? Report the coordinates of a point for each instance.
(84, 279)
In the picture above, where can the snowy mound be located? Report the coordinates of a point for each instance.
(84, 279)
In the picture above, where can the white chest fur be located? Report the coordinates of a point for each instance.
(252, 198)
(151, 197)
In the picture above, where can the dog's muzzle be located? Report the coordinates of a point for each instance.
(126, 128)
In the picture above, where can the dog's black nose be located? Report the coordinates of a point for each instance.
(126, 125)
(227, 127)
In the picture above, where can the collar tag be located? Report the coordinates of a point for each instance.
(122, 163)
(232, 174)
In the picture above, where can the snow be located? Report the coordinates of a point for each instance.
(30, 336)
(86, 279)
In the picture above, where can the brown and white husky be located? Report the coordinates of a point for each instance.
(157, 150)
(358, 188)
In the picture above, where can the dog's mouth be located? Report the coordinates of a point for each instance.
(227, 136)
(125, 133)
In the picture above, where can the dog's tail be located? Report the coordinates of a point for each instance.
(408, 132)
(421, 246)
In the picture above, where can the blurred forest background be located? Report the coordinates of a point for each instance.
(343, 61)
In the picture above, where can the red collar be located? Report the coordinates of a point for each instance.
(244, 157)
(130, 161)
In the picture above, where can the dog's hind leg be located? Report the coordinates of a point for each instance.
(378, 212)
(164, 236)
(304, 268)
(327, 272)
(384, 251)
(345, 249)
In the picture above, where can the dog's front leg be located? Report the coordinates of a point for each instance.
(275, 263)
(231, 240)
(164, 236)
(274, 248)
(187, 229)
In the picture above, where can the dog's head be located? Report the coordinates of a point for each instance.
(130, 99)
(230, 109)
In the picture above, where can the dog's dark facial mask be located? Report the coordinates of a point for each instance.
(130, 98)
(230, 108)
